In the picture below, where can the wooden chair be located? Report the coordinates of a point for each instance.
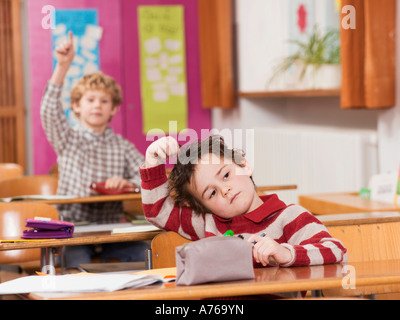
(163, 249)
(12, 225)
(29, 185)
(10, 171)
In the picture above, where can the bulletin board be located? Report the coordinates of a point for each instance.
(87, 35)
(163, 67)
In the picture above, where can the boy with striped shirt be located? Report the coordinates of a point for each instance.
(210, 191)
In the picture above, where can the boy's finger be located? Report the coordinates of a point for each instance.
(255, 238)
(71, 38)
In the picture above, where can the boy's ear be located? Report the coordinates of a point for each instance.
(114, 110)
(75, 107)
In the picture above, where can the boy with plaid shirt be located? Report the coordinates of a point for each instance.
(89, 153)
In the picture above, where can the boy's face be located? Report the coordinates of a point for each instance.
(224, 188)
(95, 109)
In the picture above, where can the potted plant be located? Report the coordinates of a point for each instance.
(316, 62)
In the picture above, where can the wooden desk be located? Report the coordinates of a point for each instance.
(96, 198)
(267, 281)
(345, 219)
(49, 246)
(332, 203)
(81, 239)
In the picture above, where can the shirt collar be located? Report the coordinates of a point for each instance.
(91, 134)
(271, 205)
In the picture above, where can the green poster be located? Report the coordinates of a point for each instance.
(162, 67)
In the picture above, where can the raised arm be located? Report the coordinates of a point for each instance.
(158, 206)
(54, 121)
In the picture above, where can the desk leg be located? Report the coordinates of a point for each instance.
(316, 294)
(52, 261)
(43, 258)
(148, 259)
(48, 261)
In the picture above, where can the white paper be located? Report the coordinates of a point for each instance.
(94, 31)
(135, 229)
(88, 43)
(383, 187)
(160, 96)
(153, 45)
(178, 89)
(76, 283)
(153, 74)
(173, 45)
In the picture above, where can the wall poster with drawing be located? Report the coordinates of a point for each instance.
(163, 66)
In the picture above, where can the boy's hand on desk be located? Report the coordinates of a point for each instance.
(117, 183)
(159, 151)
(65, 52)
(268, 251)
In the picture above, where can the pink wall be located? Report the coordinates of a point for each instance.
(119, 57)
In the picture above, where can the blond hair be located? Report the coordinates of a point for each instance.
(97, 81)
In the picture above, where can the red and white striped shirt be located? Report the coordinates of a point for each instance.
(291, 226)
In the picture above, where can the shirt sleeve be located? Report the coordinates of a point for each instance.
(53, 118)
(310, 241)
(133, 159)
(162, 211)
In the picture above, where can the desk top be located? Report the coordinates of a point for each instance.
(81, 239)
(267, 281)
(95, 198)
(332, 203)
(344, 219)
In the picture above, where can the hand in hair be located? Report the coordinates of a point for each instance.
(160, 150)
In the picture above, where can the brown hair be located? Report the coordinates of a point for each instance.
(97, 81)
(189, 155)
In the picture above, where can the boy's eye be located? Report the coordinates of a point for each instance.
(226, 175)
(212, 194)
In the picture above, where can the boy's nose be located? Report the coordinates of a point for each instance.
(226, 190)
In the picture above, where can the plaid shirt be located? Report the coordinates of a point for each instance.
(84, 157)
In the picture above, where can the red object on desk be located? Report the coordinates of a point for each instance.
(99, 187)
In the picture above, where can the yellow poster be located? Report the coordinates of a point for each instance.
(162, 67)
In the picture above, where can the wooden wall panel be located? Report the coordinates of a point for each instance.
(216, 53)
(12, 112)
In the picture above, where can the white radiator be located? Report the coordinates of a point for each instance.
(316, 159)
